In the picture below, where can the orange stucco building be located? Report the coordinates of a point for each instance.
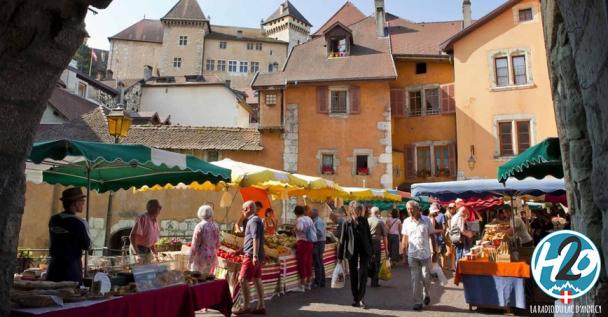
(503, 94)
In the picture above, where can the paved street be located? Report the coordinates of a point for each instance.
(394, 298)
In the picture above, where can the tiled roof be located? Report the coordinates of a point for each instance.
(144, 31)
(448, 44)
(347, 15)
(410, 38)
(93, 82)
(186, 10)
(287, 9)
(221, 32)
(129, 82)
(369, 59)
(93, 127)
(69, 105)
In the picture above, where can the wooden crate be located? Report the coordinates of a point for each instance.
(228, 265)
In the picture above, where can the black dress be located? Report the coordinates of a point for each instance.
(68, 238)
(359, 260)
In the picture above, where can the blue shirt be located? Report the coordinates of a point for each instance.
(320, 226)
(254, 230)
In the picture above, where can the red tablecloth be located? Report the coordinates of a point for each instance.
(174, 301)
(214, 295)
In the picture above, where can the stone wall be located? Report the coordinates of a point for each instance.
(575, 33)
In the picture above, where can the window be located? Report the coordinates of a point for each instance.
(339, 101)
(232, 66)
(519, 70)
(183, 40)
(270, 68)
(338, 48)
(415, 103)
(213, 155)
(82, 90)
(505, 136)
(255, 67)
(249, 46)
(423, 161)
(273, 67)
(523, 135)
(271, 99)
(501, 65)
(327, 164)
(244, 67)
(177, 62)
(258, 46)
(210, 65)
(221, 66)
(420, 68)
(525, 15)
(362, 167)
(223, 45)
(442, 161)
(431, 97)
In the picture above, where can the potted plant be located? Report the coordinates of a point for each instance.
(25, 259)
(327, 170)
(363, 171)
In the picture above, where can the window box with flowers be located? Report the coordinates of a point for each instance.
(442, 172)
(327, 170)
(423, 173)
(363, 171)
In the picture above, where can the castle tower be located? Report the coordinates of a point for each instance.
(287, 24)
(184, 30)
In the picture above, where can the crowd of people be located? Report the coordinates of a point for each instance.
(421, 239)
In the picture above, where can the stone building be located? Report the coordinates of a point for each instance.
(184, 42)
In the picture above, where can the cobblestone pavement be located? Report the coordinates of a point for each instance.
(394, 298)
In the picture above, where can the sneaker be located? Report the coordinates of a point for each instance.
(417, 307)
(362, 305)
(259, 311)
(355, 304)
(427, 300)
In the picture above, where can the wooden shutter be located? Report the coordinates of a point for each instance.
(448, 103)
(410, 161)
(355, 99)
(322, 105)
(452, 159)
(398, 102)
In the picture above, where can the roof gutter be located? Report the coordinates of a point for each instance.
(442, 57)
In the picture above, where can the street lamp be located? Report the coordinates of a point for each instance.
(472, 160)
(119, 123)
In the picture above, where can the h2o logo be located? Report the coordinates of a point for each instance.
(566, 265)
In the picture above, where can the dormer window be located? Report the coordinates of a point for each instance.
(339, 40)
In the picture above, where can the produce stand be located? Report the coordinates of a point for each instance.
(180, 300)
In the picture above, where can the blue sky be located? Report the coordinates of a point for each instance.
(247, 13)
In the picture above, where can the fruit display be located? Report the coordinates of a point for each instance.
(230, 256)
(169, 244)
(496, 232)
(280, 240)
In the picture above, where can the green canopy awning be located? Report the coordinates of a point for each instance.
(539, 161)
(120, 166)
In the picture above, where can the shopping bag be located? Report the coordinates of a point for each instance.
(385, 273)
(436, 269)
(337, 278)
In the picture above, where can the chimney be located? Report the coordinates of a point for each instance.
(380, 18)
(283, 7)
(466, 13)
(262, 26)
(147, 72)
(239, 34)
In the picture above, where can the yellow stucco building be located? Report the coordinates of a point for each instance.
(503, 94)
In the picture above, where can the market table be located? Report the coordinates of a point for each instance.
(179, 301)
(493, 284)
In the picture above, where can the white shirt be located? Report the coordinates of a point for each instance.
(418, 235)
(521, 231)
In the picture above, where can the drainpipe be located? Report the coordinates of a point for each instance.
(282, 108)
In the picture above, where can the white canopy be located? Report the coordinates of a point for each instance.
(485, 187)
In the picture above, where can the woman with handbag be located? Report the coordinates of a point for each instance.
(356, 247)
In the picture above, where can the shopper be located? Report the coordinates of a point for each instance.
(520, 229)
(251, 268)
(356, 247)
(319, 249)
(146, 232)
(417, 234)
(541, 225)
(438, 223)
(459, 234)
(205, 242)
(270, 222)
(393, 225)
(379, 235)
(68, 236)
(306, 236)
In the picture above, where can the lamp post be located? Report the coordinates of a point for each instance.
(119, 123)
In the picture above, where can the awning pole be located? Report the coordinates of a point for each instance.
(86, 253)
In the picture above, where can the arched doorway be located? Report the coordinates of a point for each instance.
(116, 241)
